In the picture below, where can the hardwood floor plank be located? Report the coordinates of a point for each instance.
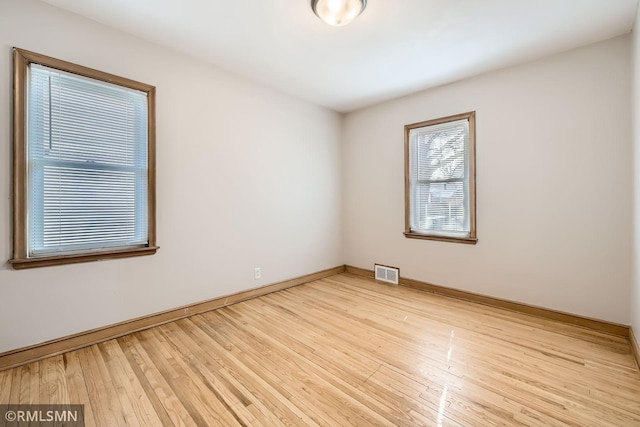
(43, 391)
(103, 400)
(14, 393)
(186, 362)
(120, 391)
(159, 391)
(56, 379)
(130, 392)
(29, 383)
(77, 386)
(5, 385)
(345, 350)
(189, 394)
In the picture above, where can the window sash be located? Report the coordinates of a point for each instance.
(448, 219)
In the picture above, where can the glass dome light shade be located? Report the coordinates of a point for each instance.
(338, 12)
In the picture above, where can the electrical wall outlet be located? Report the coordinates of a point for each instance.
(257, 273)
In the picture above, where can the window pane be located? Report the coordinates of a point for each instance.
(440, 151)
(84, 206)
(79, 119)
(440, 207)
(87, 151)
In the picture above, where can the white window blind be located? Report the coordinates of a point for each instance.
(439, 179)
(87, 164)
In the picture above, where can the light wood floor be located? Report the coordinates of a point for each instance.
(345, 351)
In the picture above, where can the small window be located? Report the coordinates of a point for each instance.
(84, 162)
(440, 179)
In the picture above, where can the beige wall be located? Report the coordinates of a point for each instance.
(635, 286)
(554, 179)
(247, 177)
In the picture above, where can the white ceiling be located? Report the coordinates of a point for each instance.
(394, 48)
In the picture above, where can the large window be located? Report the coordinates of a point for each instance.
(440, 179)
(84, 156)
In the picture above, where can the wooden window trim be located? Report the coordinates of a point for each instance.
(451, 239)
(412, 234)
(21, 60)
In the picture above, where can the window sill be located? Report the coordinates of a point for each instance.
(464, 240)
(19, 264)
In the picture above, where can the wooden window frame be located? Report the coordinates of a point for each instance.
(472, 238)
(21, 60)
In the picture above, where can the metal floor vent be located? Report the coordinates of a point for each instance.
(387, 274)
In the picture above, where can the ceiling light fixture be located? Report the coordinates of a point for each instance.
(338, 12)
